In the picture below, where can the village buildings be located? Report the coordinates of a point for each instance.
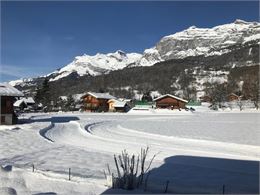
(104, 102)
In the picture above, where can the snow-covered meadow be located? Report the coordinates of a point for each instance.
(198, 152)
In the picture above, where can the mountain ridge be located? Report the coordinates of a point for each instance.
(161, 69)
(192, 41)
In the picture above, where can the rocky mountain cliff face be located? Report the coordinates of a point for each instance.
(202, 41)
(199, 55)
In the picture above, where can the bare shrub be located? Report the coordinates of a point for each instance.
(131, 170)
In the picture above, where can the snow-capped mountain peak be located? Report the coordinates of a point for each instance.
(97, 64)
(196, 41)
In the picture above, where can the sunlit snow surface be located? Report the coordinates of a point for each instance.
(197, 152)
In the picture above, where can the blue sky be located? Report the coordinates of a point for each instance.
(39, 37)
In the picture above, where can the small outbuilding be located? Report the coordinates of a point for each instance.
(96, 102)
(7, 96)
(19, 105)
(233, 97)
(118, 106)
(25, 103)
(170, 102)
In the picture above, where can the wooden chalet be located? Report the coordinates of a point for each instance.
(170, 102)
(96, 102)
(7, 97)
(233, 97)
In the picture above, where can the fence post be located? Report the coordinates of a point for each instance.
(166, 187)
(69, 173)
(32, 167)
(223, 189)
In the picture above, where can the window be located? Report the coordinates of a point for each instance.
(88, 105)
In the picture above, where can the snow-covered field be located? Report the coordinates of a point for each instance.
(197, 152)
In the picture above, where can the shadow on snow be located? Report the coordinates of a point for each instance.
(201, 175)
(56, 119)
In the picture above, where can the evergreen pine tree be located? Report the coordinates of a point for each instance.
(147, 97)
(45, 92)
(70, 104)
(38, 95)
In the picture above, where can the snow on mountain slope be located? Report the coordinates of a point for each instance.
(20, 82)
(97, 64)
(190, 42)
(202, 41)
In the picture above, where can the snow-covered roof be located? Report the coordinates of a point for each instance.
(169, 95)
(101, 95)
(63, 97)
(29, 100)
(125, 100)
(8, 90)
(18, 103)
(119, 104)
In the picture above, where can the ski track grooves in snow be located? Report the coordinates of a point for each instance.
(171, 143)
(43, 132)
(114, 136)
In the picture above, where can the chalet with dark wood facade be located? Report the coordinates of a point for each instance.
(170, 102)
(7, 98)
(96, 102)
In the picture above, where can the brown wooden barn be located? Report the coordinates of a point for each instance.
(7, 98)
(233, 97)
(170, 101)
(96, 102)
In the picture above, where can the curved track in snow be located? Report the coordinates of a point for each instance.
(110, 136)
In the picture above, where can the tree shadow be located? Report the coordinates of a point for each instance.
(203, 175)
(57, 119)
(52, 119)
